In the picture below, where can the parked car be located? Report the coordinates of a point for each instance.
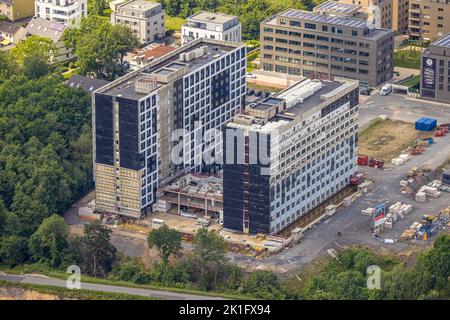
(251, 75)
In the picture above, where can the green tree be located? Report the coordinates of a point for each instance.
(94, 251)
(13, 250)
(436, 263)
(263, 284)
(3, 18)
(209, 249)
(41, 47)
(167, 241)
(100, 46)
(49, 243)
(133, 270)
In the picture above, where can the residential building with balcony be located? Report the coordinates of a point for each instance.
(146, 19)
(10, 34)
(211, 25)
(323, 46)
(427, 19)
(67, 12)
(435, 71)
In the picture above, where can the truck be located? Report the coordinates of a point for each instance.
(386, 89)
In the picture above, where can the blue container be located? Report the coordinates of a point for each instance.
(425, 124)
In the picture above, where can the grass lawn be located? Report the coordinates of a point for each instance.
(407, 59)
(174, 23)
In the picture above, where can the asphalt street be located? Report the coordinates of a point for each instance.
(40, 280)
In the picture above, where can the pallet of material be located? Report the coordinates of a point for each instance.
(421, 196)
(431, 191)
(367, 212)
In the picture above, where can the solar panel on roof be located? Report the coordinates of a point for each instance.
(357, 23)
(443, 42)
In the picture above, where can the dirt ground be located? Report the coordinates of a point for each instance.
(386, 139)
(13, 293)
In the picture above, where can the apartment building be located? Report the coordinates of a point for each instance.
(54, 31)
(159, 121)
(400, 16)
(16, 10)
(427, 19)
(67, 12)
(288, 154)
(145, 19)
(379, 12)
(323, 46)
(435, 71)
(211, 25)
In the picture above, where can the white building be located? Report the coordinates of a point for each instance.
(68, 12)
(210, 25)
(193, 90)
(288, 154)
(145, 19)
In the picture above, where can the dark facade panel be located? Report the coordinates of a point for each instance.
(220, 89)
(233, 196)
(259, 201)
(104, 129)
(128, 132)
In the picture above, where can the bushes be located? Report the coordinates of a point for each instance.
(13, 250)
(263, 284)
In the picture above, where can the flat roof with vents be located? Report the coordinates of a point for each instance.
(169, 63)
(322, 18)
(205, 16)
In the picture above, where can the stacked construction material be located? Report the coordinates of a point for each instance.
(421, 196)
(367, 212)
(430, 191)
(401, 159)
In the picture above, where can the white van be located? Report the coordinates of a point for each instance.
(387, 88)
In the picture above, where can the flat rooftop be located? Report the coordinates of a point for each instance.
(140, 5)
(336, 7)
(213, 17)
(443, 42)
(356, 23)
(299, 98)
(125, 86)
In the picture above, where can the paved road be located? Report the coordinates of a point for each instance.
(37, 280)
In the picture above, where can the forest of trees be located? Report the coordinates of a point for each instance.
(45, 139)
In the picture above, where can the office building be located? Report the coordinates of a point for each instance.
(211, 25)
(145, 19)
(435, 71)
(427, 19)
(67, 12)
(288, 154)
(322, 46)
(16, 10)
(159, 121)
